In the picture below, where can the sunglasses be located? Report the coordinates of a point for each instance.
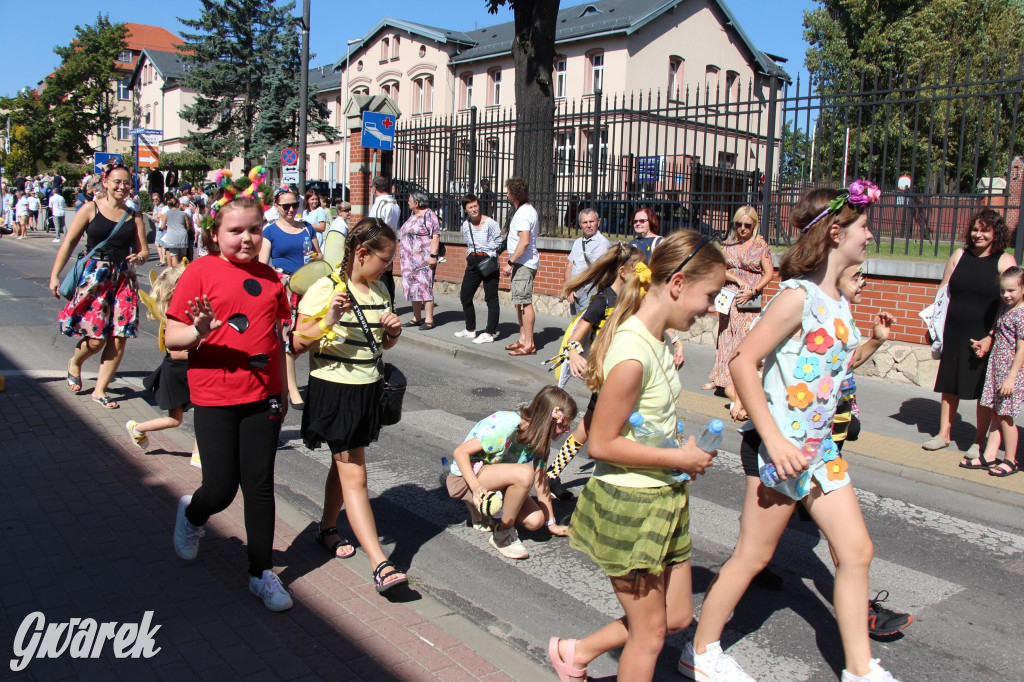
(744, 224)
(700, 245)
(289, 207)
(640, 221)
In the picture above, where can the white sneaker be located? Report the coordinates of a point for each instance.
(55, 241)
(186, 536)
(465, 334)
(876, 673)
(483, 337)
(506, 541)
(713, 665)
(270, 589)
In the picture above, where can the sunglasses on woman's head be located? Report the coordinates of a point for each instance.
(700, 244)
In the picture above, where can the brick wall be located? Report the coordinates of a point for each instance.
(903, 296)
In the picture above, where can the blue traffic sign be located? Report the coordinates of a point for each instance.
(289, 157)
(378, 131)
(101, 159)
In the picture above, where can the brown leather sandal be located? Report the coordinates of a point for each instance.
(524, 350)
(514, 345)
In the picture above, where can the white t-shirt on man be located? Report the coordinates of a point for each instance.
(57, 205)
(525, 220)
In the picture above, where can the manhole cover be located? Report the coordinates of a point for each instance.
(488, 391)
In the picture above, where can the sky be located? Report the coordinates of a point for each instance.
(775, 27)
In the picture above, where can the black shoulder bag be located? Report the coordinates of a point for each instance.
(394, 381)
(489, 265)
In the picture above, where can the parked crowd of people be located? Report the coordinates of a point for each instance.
(233, 326)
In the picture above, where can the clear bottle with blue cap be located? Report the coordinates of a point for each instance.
(657, 438)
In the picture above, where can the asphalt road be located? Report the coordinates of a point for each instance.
(954, 561)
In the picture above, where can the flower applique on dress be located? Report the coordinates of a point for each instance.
(836, 469)
(835, 360)
(825, 388)
(817, 419)
(819, 341)
(829, 449)
(800, 396)
(842, 331)
(807, 368)
(820, 309)
(794, 426)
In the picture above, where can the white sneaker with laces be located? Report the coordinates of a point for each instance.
(483, 337)
(270, 589)
(714, 665)
(186, 536)
(507, 542)
(876, 673)
(465, 334)
(55, 241)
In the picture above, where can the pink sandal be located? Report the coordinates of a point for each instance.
(564, 670)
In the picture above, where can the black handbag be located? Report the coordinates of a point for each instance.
(752, 306)
(394, 381)
(489, 265)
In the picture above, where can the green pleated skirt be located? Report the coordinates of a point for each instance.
(632, 529)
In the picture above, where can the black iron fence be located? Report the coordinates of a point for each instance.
(698, 155)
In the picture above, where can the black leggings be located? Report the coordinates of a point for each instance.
(471, 281)
(238, 444)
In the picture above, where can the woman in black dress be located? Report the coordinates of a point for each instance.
(972, 275)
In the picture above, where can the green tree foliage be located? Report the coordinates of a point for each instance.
(794, 154)
(533, 52)
(243, 60)
(76, 100)
(919, 66)
(192, 165)
(20, 160)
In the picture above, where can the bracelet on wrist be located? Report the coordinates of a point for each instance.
(550, 523)
(674, 338)
(392, 336)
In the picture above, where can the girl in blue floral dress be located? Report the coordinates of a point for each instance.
(807, 337)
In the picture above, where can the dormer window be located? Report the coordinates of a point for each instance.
(590, 9)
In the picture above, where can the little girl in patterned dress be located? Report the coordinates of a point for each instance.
(1004, 380)
(507, 452)
(808, 339)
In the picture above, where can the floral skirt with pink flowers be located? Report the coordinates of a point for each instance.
(106, 303)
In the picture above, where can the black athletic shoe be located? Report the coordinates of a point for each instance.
(883, 622)
(559, 490)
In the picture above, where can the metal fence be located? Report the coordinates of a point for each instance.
(696, 156)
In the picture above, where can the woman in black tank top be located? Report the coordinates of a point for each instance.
(103, 312)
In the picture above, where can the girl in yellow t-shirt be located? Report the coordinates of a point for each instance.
(345, 386)
(632, 518)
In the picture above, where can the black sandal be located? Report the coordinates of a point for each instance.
(968, 463)
(997, 470)
(379, 576)
(320, 535)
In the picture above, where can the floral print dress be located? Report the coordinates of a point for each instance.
(1009, 330)
(414, 239)
(744, 262)
(802, 378)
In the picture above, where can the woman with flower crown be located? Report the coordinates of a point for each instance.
(807, 338)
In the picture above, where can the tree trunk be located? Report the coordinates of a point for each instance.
(533, 51)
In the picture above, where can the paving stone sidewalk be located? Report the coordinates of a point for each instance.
(85, 532)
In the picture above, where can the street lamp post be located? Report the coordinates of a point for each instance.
(303, 97)
(344, 160)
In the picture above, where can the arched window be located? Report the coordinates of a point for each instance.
(466, 87)
(361, 90)
(423, 94)
(390, 89)
(494, 87)
(732, 84)
(595, 68)
(711, 76)
(394, 47)
(385, 49)
(675, 75)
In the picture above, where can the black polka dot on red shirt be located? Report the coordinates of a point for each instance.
(252, 287)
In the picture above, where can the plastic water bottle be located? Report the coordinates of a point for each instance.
(710, 437)
(307, 249)
(769, 475)
(657, 439)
